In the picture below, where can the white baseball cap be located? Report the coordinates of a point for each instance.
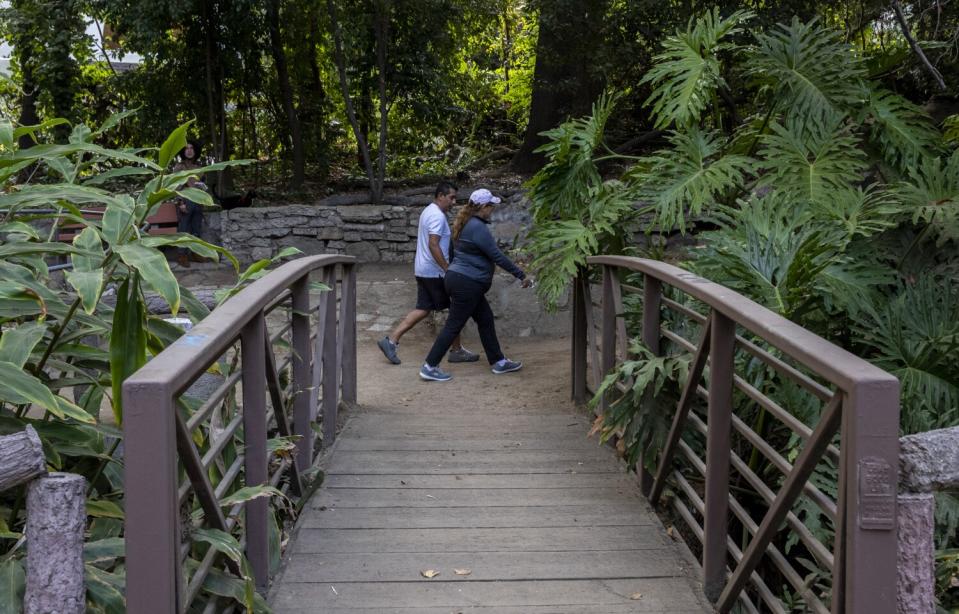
(483, 196)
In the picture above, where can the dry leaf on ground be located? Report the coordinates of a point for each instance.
(636, 596)
(462, 572)
(429, 573)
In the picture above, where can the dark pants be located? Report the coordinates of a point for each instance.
(467, 300)
(190, 221)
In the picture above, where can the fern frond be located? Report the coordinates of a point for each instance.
(688, 178)
(903, 131)
(687, 73)
(811, 158)
(809, 70)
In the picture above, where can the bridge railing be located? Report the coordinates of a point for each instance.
(279, 365)
(735, 490)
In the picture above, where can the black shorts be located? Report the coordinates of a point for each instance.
(431, 294)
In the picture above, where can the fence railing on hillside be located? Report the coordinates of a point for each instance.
(281, 366)
(749, 503)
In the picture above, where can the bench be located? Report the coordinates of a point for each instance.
(163, 222)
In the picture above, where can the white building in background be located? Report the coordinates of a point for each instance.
(120, 60)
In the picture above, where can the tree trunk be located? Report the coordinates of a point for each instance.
(56, 516)
(382, 40)
(340, 61)
(21, 458)
(286, 92)
(566, 79)
(28, 100)
(210, 86)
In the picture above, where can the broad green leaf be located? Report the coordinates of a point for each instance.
(193, 306)
(195, 244)
(103, 550)
(19, 387)
(196, 195)
(91, 245)
(173, 144)
(42, 196)
(43, 152)
(6, 533)
(115, 119)
(223, 585)
(101, 508)
(104, 590)
(6, 134)
(19, 228)
(88, 285)
(81, 134)
(17, 300)
(155, 270)
(63, 167)
(16, 344)
(248, 493)
(220, 541)
(12, 585)
(9, 171)
(128, 341)
(115, 173)
(32, 130)
(118, 221)
(24, 248)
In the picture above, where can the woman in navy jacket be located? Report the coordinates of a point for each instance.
(468, 278)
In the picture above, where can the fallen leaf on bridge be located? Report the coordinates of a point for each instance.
(462, 572)
(429, 573)
(636, 596)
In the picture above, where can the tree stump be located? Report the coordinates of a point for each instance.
(21, 458)
(56, 516)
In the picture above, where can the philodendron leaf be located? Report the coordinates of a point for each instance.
(173, 144)
(128, 339)
(19, 387)
(155, 270)
(12, 585)
(16, 344)
(101, 508)
(248, 493)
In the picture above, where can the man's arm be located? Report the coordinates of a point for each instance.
(437, 252)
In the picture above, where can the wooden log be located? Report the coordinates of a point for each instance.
(21, 458)
(56, 516)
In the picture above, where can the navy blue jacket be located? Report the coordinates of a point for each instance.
(475, 254)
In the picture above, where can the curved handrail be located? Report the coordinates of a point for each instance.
(824, 358)
(207, 340)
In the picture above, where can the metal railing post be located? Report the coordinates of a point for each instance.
(872, 451)
(652, 295)
(578, 341)
(151, 521)
(256, 472)
(608, 356)
(302, 357)
(330, 399)
(722, 346)
(349, 334)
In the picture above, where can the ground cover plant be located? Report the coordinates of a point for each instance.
(813, 189)
(69, 337)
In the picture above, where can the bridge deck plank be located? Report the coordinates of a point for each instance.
(545, 519)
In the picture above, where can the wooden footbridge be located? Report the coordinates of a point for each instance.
(467, 506)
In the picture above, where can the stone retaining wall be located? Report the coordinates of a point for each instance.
(372, 233)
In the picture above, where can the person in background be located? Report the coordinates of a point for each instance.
(432, 260)
(468, 279)
(189, 213)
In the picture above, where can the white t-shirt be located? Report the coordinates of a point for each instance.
(432, 222)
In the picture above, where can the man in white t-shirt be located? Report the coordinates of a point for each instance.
(432, 259)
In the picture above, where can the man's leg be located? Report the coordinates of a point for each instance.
(412, 319)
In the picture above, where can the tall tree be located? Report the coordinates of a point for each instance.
(286, 92)
(568, 75)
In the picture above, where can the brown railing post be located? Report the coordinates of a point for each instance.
(152, 523)
(578, 350)
(652, 295)
(872, 446)
(330, 398)
(609, 330)
(349, 334)
(722, 346)
(302, 356)
(254, 447)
